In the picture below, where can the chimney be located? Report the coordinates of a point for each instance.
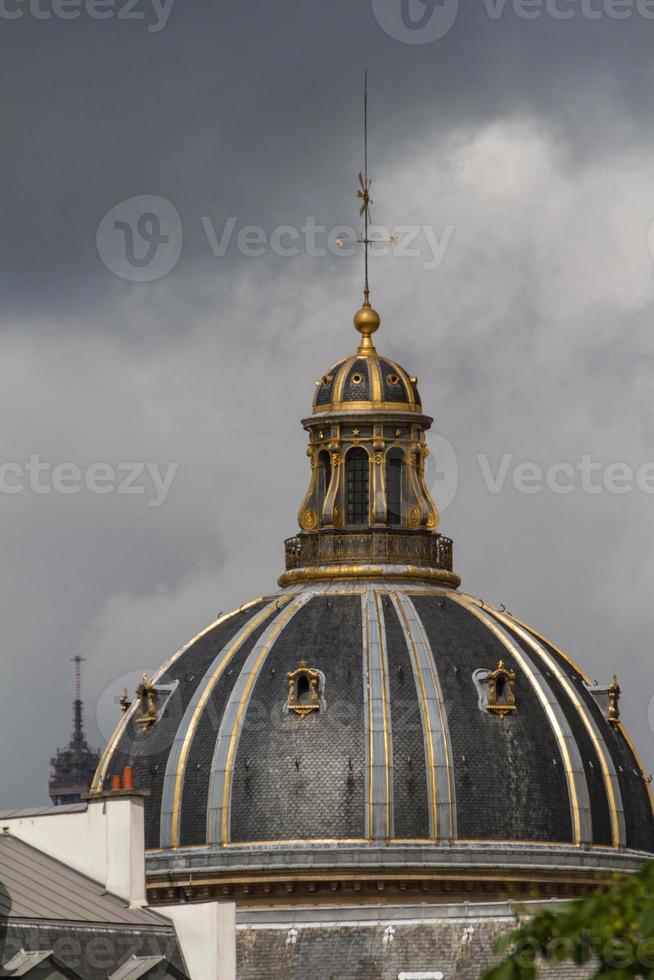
(123, 810)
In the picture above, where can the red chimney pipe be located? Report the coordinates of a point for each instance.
(116, 783)
(128, 778)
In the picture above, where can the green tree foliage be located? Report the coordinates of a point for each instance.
(611, 931)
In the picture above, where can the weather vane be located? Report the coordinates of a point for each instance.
(366, 320)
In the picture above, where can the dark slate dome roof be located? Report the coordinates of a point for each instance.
(367, 381)
(369, 721)
(397, 745)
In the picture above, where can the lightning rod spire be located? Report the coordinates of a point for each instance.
(366, 196)
(366, 320)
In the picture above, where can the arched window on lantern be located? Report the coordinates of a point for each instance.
(394, 486)
(357, 480)
(324, 477)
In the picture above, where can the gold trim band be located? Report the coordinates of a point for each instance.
(438, 754)
(379, 753)
(323, 573)
(368, 406)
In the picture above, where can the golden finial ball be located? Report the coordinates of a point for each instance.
(367, 320)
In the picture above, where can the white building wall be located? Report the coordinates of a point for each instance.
(206, 932)
(105, 842)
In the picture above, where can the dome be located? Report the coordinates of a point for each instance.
(370, 726)
(367, 717)
(366, 383)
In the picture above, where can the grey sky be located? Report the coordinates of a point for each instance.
(531, 139)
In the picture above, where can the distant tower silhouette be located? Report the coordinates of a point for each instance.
(74, 766)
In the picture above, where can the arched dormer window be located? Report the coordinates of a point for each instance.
(304, 690)
(324, 477)
(497, 689)
(357, 481)
(394, 472)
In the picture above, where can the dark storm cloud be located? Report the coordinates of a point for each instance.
(530, 138)
(253, 109)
